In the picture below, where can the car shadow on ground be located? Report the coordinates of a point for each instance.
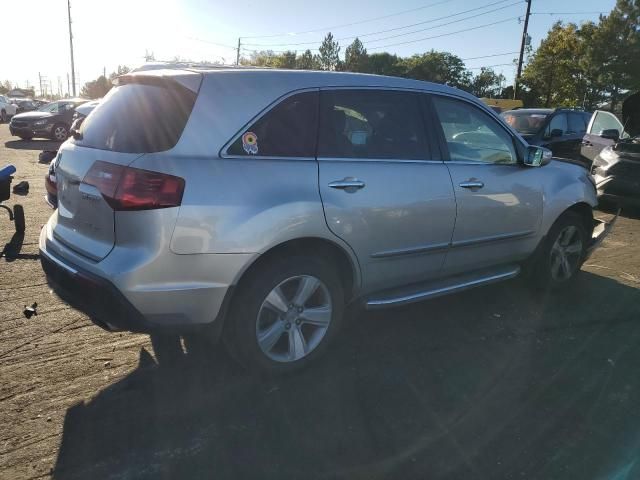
(32, 144)
(499, 382)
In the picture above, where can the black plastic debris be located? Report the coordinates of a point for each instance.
(30, 311)
(46, 156)
(21, 188)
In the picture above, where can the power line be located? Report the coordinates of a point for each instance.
(399, 28)
(567, 13)
(444, 34)
(360, 22)
(409, 41)
(491, 66)
(489, 56)
(213, 43)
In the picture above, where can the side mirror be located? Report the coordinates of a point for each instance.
(611, 134)
(537, 156)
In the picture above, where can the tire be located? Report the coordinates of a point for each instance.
(562, 254)
(60, 132)
(167, 349)
(3, 117)
(25, 138)
(18, 218)
(291, 337)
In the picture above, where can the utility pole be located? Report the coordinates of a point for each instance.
(73, 68)
(40, 79)
(238, 53)
(68, 87)
(522, 46)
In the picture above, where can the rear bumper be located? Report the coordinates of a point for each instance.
(132, 291)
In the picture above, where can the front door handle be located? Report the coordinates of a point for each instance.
(349, 184)
(587, 143)
(471, 184)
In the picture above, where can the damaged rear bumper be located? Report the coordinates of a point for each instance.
(600, 231)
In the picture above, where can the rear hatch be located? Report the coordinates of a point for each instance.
(144, 113)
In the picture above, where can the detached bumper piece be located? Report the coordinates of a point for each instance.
(600, 230)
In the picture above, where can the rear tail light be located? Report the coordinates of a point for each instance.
(127, 188)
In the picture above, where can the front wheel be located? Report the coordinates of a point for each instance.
(563, 252)
(285, 314)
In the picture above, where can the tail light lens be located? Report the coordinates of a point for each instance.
(127, 188)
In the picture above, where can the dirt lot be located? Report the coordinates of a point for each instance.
(499, 382)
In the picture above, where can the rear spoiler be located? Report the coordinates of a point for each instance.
(164, 78)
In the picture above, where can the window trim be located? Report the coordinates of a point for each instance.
(442, 141)
(224, 153)
(430, 151)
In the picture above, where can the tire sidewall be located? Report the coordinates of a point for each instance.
(240, 327)
(543, 274)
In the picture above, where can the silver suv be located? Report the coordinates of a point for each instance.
(253, 205)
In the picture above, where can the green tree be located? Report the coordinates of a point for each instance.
(439, 67)
(285, 60)
(97, 88)
(5, 86)
(355, 57)
(384, 63)
(554, 73)
(121, 70)
(487, 83)
(307, 61)
(329, 57)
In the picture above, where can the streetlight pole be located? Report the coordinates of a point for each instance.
(73, 68)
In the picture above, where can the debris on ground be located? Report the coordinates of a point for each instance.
(30, 311)
(21, 188)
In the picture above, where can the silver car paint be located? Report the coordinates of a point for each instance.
(178, 268)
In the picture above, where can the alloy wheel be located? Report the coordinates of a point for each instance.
(566, 254)
(294, 318)
(60, 133)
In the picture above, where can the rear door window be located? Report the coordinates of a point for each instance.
(606, 121)
(138, 118)
(577, 123)
(371, 124)
(288, 130)
(558, 122)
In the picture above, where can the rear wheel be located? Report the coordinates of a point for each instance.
(285, 314)
(563, 252)
(60, 132)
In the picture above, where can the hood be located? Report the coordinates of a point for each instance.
(631, 114)
(32, 115)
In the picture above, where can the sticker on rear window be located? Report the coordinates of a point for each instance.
(250, 143)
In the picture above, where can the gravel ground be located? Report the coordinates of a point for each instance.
(499, 382)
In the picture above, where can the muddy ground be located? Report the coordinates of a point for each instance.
(496, 383)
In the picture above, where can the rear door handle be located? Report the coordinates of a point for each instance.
(349, 184)
(471, 184)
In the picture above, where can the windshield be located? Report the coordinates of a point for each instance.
(49, 107)
(525, 122)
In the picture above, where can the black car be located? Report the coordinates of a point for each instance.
(614, 147)
(25, 105)
(560, 130)
(52, 120)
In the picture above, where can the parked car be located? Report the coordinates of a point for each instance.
(7, 109)
(253, 205)
(25, 105)
(52, 120)
(50, 155)
(560, 130)
(615, 150)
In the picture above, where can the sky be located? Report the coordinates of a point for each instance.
(119, 32)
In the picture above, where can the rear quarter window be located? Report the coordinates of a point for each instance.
(138, 118)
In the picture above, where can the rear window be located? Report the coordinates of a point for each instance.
(527, 123)
(138, 118)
